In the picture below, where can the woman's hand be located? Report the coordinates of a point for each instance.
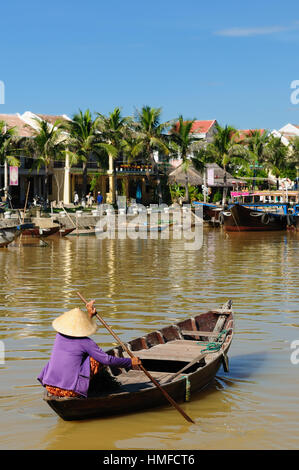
(91, 309)
(135, 362)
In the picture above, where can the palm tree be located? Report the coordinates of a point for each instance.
(182, 140)
(256, 143)
(48, 144)
(150, 138)
(7, 148)
(114, 132)
(293, 158)
(82, 141)
(275, 157)
(226, 150)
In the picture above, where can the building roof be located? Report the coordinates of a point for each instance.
(218, 176)
(13, 120)
(51, 118)
(179, 176)
(289, 130)
(243, 133)
(195, 177)
(200, 127)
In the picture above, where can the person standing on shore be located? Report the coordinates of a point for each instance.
(99, 199)
(76, 198)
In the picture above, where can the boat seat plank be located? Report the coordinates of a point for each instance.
(187, 343)
(171, 351)
(198, 333)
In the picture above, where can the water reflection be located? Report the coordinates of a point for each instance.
(141, 285)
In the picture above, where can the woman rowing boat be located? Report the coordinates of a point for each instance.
(76, 358)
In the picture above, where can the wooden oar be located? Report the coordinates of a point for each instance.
(125, 348)
(196, 359)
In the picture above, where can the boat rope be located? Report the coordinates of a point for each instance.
(211, 347)
(187, 390)
(214, 346)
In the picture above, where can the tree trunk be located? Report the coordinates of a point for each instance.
(186, 188)
(112, 178)
(46, 182)
(158, 180)
(66, 186)
(84, 175)
(5, 180)
(224, 193)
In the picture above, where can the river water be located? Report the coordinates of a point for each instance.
(139, 286)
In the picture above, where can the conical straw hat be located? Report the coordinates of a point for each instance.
(75, 323)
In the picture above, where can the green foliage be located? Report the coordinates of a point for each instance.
(178, 191)
(217, 196)
(8, 145)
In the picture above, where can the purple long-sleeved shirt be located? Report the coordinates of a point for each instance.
(69, 364)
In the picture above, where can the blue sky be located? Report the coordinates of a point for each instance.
(231, 61)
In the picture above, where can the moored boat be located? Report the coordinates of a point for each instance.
(63, 232)
(40, 232)
(9, 234)
(183, 357)
(293, 218)
(83, 232)
(238, 218)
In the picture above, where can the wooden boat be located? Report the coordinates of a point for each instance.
(239, 218)
(63, 232)
(210, 212)
(293, 218)
(293, 223)
(40, 232)
(9, 234)
(83, 232)
(187, 344)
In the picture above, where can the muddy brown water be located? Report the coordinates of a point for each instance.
(139, 286)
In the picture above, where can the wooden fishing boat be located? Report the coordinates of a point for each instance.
(84, 232)
(9, 234)
(210, 212)
(293, 222)
(63, 232)
(39, 232)
(183, 357)
(239, 218)
(293, 218)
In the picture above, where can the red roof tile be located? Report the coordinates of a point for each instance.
(200, 127)
(248, 132)
(22, 129)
